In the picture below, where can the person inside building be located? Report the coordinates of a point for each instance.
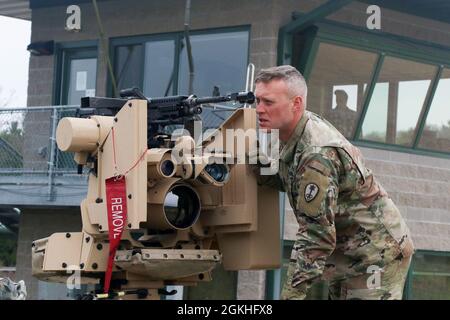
(350, 232)
(342, 116)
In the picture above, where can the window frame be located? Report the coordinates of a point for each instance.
(177, 36)
(384, 45)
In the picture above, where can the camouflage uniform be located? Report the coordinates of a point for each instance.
(348, 226)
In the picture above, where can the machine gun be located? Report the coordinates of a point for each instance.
(189, 206)
(164, 111)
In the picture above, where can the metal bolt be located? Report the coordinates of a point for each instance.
(130, 104)
(130, 196)
(64, 265)
(94, 266)
(88, 239)
(67, 235)
(99, 246)
(81, 265)
(100, 227)
(98, 200)
(201, 276)
(129, 225)
(115, 119)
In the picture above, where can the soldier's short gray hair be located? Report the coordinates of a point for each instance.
(295, 81)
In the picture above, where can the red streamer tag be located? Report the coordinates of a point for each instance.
(116, 202)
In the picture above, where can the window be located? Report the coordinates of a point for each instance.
(128, 66)
(220, 60)
(429, 276)
(436, 134)
(159, 72)
(78, 74)
(76, 78)
(159, 65)
(397, 100)
(338, 83)
(377, 90)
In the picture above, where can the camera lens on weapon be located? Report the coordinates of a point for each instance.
(181, 207)
(218, 172)
(167, 168)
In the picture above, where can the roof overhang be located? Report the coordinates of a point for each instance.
(19, 9)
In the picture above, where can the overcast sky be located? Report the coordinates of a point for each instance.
(15, 35)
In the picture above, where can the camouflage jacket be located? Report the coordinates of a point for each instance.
(346, 220)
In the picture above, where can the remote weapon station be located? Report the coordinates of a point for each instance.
(161, 209)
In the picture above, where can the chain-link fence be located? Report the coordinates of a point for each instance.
(27, 141)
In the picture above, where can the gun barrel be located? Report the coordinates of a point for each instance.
(241, 97)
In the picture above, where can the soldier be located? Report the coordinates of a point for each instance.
(350, 232)
(342, 117)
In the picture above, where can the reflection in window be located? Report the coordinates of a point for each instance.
(337, 85)
(436, 134)
(220, 60)
(128, 66)
(397, 101)
(159, 68)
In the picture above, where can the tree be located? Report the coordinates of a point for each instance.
(8, 250)
(11, 146)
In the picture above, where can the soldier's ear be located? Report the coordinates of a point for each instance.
(298, 102)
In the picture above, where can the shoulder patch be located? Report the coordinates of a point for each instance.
(312, 191)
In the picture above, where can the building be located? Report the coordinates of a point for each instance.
(387, 89)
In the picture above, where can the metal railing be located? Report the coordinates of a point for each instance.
(27, 140)
(28, 143)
